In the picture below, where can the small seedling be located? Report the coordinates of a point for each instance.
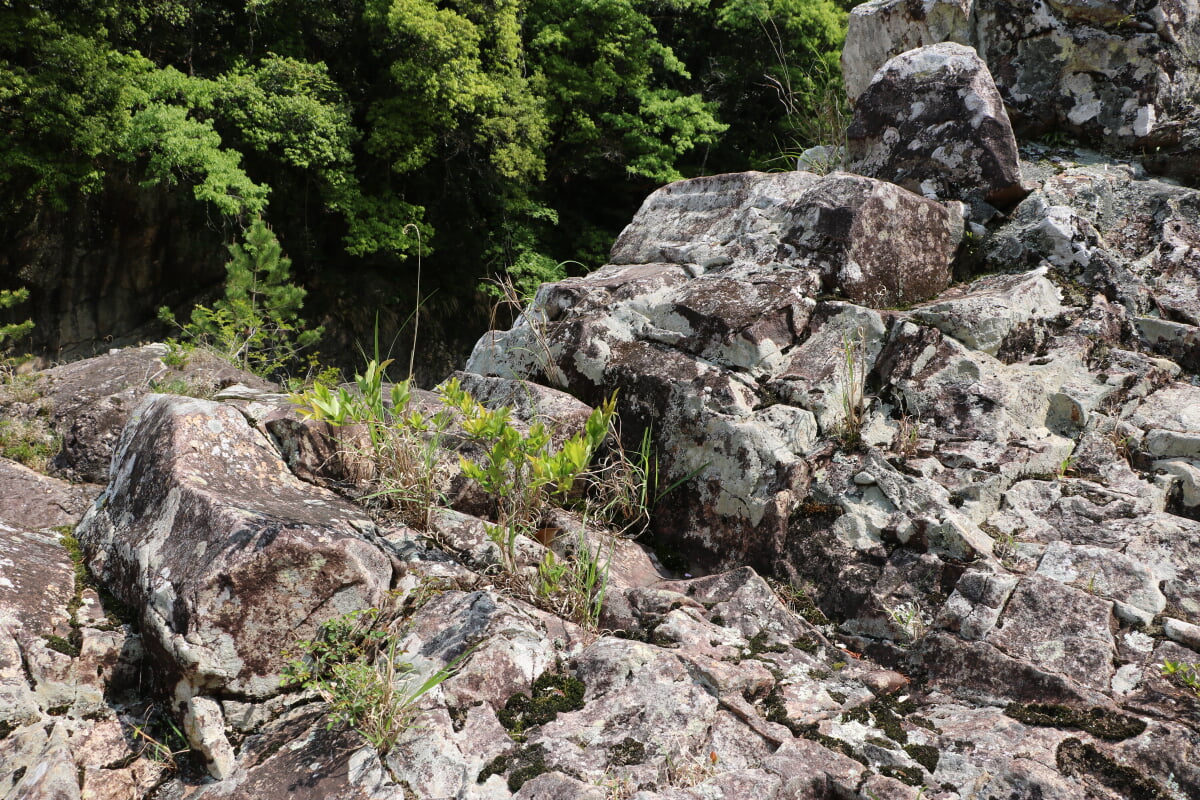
(1182, 673)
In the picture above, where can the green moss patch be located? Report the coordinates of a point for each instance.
(1101, 723)
(551, 693)
(60, 645)
(910, 775)
(118, 613)
(1076, 758)
(885, 713)
(925, 755)
(521, 765)
(758, 645)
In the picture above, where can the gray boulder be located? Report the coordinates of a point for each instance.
(229, 556)
(932, 121)
(1104, 73)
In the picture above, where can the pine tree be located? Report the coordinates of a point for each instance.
(15, 330)
(257, 324)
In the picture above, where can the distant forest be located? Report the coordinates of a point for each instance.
(501, 137)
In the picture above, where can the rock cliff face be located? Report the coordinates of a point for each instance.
(934, 456)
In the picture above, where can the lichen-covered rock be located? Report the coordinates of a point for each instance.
(933, 122)
(881, 29)
(874, 243)
(1103, 72)
(228, 556)
(1113, 230)
(848, 233)
(686, 335)
(995, 310)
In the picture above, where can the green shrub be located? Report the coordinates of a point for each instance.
(521, 472)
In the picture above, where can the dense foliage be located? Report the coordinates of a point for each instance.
(507, 134)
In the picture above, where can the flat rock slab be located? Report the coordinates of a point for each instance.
(37, 579)
(34, 501)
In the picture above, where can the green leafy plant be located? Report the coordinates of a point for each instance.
(1066, 467)
(406, 444)
(577, 583)
(178, 354)
(355, 665)
(1182, 673)
(521, 472)
(908, 617)
(256, 325)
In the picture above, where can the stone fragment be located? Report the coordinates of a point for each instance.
(89, 401)
(933, 122)
(1185, 633)
(874, 243)
(204, 725)
(973, 608)
(713, 221)
(1176, 340)
(302, 759)
(37, 579)
(557, 786)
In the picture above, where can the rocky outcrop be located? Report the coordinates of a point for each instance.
(708, 296)
(994, 489)
(1105, 73)
(945, 539)
(86, 403)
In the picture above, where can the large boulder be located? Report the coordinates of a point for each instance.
(881, 29)
(229, 557)
(1105, 73)
(932, 121)
(846, 232)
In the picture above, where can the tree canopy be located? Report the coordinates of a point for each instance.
(496, 135)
